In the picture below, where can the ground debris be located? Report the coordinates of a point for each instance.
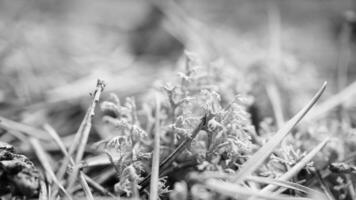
(18, 175)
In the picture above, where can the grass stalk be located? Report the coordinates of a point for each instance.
(155, 156)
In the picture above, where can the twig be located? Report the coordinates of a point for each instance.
(167, 161)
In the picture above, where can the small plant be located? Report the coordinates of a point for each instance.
(193, 140)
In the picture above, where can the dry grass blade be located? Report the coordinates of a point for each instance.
(299, 166)
(45, 163)
(281, 183)
(59, 142)
(86, 124)
(219, 175)
(66, 160)
(23, 128)
(262, 154)
(234, 190)
(83, 131)
(85, 186)
(62, 147)
(155, 156)
(333, 102)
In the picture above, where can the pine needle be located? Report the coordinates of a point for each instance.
(97, 186)
(262, 154)
(62, 147)
(53, 133)
(155, 156)
(275, 99)
(281, 183)
(82, 134)
(8, 124)
(234, 190)
(88, 180)
(224, 176)
(41, 154)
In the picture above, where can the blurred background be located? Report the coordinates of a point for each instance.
(52, 51)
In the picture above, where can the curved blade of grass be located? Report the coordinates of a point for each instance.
(262, 154)
(333, 102)
(299, 166)
(234, 190)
